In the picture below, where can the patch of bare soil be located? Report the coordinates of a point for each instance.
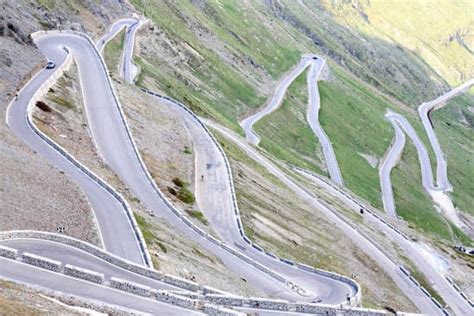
(20, 300)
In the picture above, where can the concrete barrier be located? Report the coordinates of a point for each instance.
(227, 300)
(131, 287)
(170, 298)
(280, 305)
(405, 271)
(213, 310)
(107, 256)
(8, 252)
(84, 274)
(41, 262)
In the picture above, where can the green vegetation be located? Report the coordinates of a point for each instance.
(454, 126)
(439, 31)
(183, 192)
(178, 182)
(420, 277)
(187, 150)
(295, 143)
(186, 196)
(147, 230)
(197, 215)
(232, 94)
(113, 51)
(229, 54)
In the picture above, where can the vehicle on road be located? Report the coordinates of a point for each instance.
(50, 65)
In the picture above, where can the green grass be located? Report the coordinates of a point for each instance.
(147, 230)
(286, 134)
(454, 126)
(183, 192)
(186, 196)
(435, 30)
(198, 215)
(113, 51)
(232, 94)
(412, 203)
(248, 44)
(187, 150)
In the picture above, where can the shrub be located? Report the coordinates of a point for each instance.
(186, 196)
(197, 215)
(179, 183)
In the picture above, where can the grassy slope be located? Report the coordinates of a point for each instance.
(215, 87)
(454, 126)
(295, 143)
(113, 51)
(442, 35)
(224, 91)
(265, 204)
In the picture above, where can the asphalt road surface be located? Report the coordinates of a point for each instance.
(110, 214)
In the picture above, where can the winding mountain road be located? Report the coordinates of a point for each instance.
(118, 150)
(436, 188)
(313, 119)
(316, 66)
(367, 246)
(276, 99)
(214, 195)
(109, 212)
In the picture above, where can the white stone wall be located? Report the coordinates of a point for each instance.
(8, 252)
(41, 262)
(84, 274)
(131, 287)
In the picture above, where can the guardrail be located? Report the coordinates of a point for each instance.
(69, 157)
(362, 206)
(459, 290)
(296, 288)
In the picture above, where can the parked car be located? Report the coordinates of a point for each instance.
(50, 65)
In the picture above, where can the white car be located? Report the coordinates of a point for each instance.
(50, 65)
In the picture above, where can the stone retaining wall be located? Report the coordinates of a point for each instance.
(8, 252)
(85, 274)
(174, 299)
(131, 287)
(41, 262)
(111, 258)
(213, 310)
